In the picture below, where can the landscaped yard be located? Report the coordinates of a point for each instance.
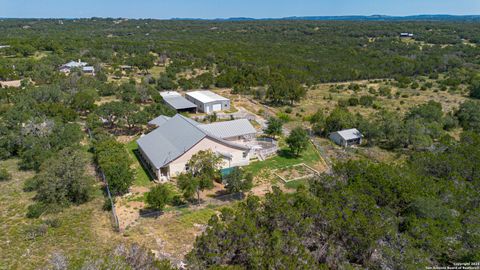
(295, 172)
(285, 158)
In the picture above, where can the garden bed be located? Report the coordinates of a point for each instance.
(295, 172)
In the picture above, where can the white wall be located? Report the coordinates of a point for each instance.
(178, 166)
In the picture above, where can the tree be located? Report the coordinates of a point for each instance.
(84, 101)
(189, 185)
(318, 122)
(274, 127)
(204, 163)
(469, 115)
(111, 112)
(339, 118)
(113, 159)
(63, 179)
(298, 140)
(202, 170)
(238, 181)
(159, 196)
(475, 88)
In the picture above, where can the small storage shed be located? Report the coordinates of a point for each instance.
(207, 101)
(346, 137)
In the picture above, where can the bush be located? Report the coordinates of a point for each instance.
(159, 196)
(353, 101)
(31, 184)
(366, 101)
(107, 205)
(53, 222)
(177, 201)
(34, 231)
(288, 110)
(4, 175)
(384, 91)
(36, 210)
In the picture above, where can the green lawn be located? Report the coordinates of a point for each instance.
(142, 177)
(284, 159)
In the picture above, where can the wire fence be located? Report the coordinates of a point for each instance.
(116, 223)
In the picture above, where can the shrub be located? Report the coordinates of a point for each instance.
(107, 205)
(53, 222)
(4, 175)
(31, 184)
(177, 201)
(288, 110)
(343, 103)
(34, 231)
(158, 197)
(366, 101)
(384, 91)
(36, 210)
(353, 101)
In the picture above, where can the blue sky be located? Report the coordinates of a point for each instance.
(164, 9)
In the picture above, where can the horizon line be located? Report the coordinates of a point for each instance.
(244, 18)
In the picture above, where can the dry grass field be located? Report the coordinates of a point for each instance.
(78, 232)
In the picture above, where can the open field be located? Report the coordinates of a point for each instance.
(326, 97)
(171, 235)
(82, 231)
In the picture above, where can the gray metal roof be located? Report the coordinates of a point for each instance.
(88, 68)
(350, 134)
(178, 102)
(74, 64)
(162, 119)
(172, 139)
(206, 96)
(229, 129)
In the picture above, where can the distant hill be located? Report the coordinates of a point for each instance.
(356, 18)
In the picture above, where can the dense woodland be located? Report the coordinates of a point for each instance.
(420, 212)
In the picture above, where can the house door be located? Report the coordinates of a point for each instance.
(217, 107)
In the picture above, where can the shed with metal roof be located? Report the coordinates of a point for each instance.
(208, 101)
(174, 100)
(346, 137)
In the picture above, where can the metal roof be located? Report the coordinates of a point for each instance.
(73, 64)
(206, 96)
(162, 119)
(173, 138)
(229, 129)
(179, 102)
(170, 140)
(89, 68)
(350, 134)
